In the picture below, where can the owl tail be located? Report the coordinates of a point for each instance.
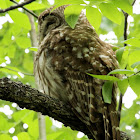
(112, 125)
(97, 132)
(115, 125)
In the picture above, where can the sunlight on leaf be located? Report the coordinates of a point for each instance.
(135, 64)
(20, 19)
(5, 137)
(123, 85)
(35, 6)
(23, 136)
(121, 71)
(33, 49)
(94, 16)
(72, 14)
(111, 12)
(104, 77)
(133, 42)
(134, 82)
(124, 5)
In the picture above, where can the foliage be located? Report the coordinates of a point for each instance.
(17, 54)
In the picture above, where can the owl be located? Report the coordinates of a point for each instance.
(64, 58)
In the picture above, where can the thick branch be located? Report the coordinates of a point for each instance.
(32, 99)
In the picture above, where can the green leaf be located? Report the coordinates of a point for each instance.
(23, 136)
(134, 82)
(48, 124)
(33, 49)
(119, 54)
(107, 91)
(65, 2)
(23, 42)
(28, 61)
(35, 6)
(11, 51)
(33, 129)
(53, 136)
(123, 85)
(5, 137)
(25, 116)
(94, 16)
(133, 42)
(4, 124)
(124, 60)
(134, 57)
(104, 77)
(111, 12)
(121, 71)
(3, 4)
(72, 14)
(67, 134)
(20, 19)
(124, 5)
(2, 60)
(135, 64)
(10, 70)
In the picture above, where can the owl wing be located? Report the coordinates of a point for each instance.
(79, 52)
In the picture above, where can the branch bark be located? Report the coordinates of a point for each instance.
(32, 99)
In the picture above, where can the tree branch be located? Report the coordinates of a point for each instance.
(19, 5)
(32, 99)
(133, 2)
(32, 13)
(125, 27)
(126, 24)
(125, 38)
(28, 74)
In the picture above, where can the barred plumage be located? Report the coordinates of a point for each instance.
(64, 57)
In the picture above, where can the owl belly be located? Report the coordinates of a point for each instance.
(48, 80)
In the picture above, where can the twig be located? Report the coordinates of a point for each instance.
(125, 27)
(125, 38)
(19, 5)
(133, 2)
(17, 71)
(16, 6)
(125, 23)
(120, 107)
(135, 73)
(32, 13)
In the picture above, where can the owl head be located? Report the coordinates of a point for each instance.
(51, 19)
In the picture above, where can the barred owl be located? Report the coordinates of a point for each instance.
(64, 58)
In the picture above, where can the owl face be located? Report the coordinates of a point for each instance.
(51, 19)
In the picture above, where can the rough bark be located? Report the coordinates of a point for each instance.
(30, 98)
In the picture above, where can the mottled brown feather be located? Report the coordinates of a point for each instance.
(62, 62)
